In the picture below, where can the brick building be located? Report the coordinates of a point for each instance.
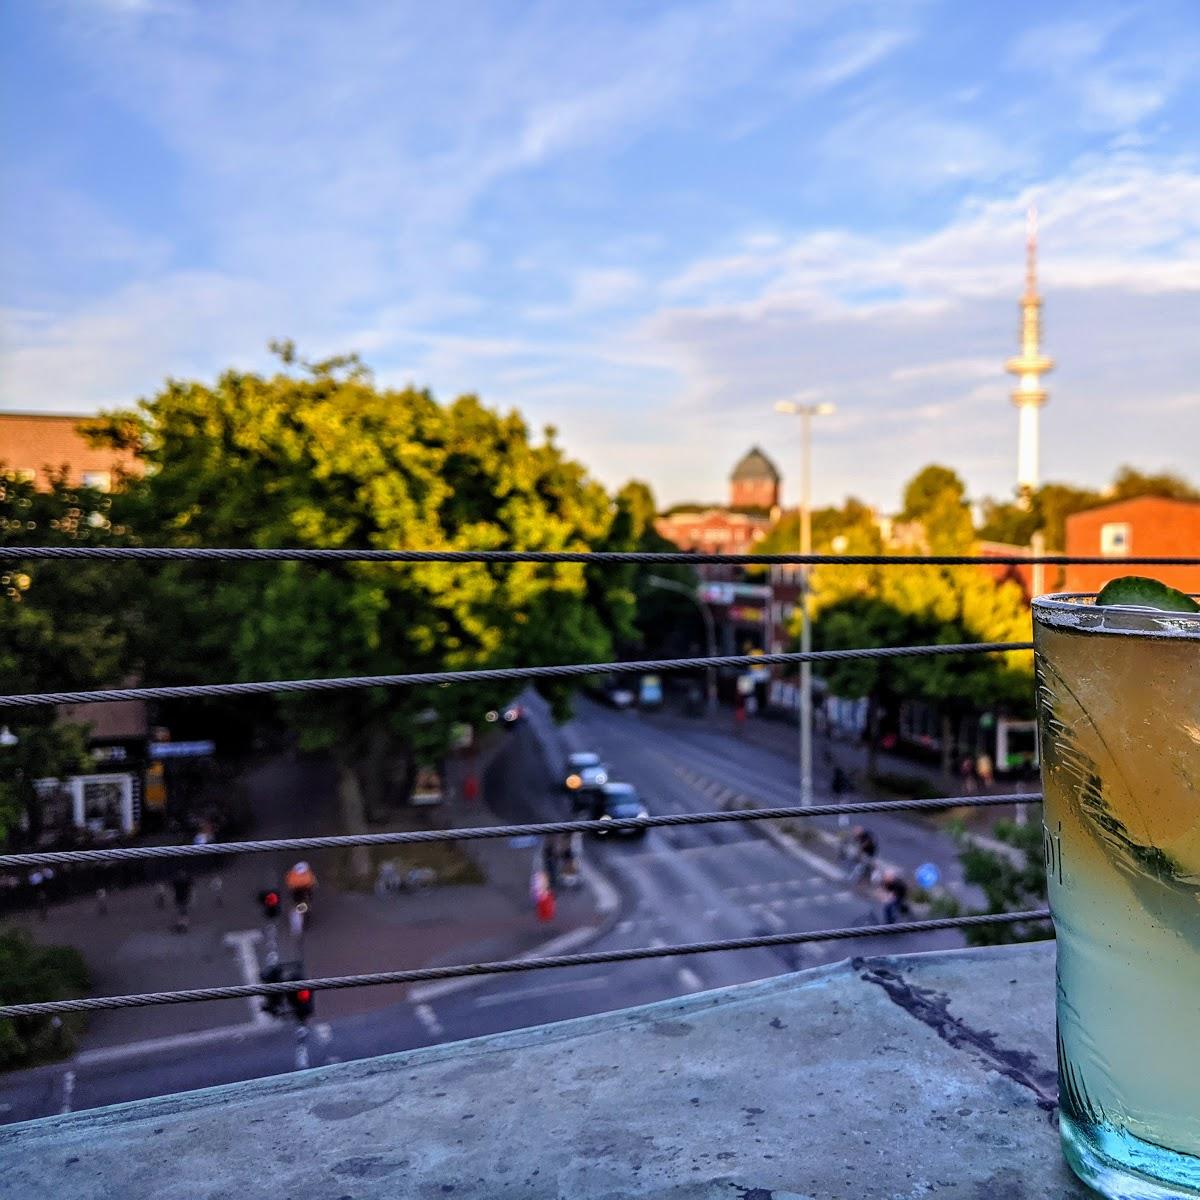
(35, 445)
(753, 485)
(1146, 525)
(754, 482)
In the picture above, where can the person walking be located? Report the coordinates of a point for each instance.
(863, 849)
(985, 769)
(966, 770)
(182, 887)
(893, 892)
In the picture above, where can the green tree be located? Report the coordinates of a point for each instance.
(61, 628)
(31, 974)
(318, 456)
(937, 498)
(1012, 881)
(664, 621)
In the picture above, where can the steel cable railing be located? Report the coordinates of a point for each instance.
(513, 674)
(47, 858)
(605, 557)
(509, 966)
(498, 674)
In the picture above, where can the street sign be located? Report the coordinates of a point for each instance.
(182, 749)
(927, 875)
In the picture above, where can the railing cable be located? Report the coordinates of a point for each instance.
(300, 554)
(509, 966)
(499, 674)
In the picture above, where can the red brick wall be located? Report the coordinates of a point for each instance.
(42, 442)
(753, 493)
(713, 532)
(1157, 526)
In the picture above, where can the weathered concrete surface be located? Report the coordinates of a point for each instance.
(925, 1075)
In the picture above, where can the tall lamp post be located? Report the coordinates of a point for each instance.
(710, 633)
(805, 412)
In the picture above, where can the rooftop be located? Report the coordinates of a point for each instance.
(755, 465)
(908, 1076)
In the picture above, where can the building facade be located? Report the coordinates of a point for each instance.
(35, 446)
(1146, 525)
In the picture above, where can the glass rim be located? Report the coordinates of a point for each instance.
(1078, 611)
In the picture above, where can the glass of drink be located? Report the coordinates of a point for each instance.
(1119, 713)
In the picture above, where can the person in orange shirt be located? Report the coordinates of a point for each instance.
(300, 881)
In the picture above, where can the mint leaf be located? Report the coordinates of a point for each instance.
(1140, 592)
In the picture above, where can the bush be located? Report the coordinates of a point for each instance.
(1010, 884)
(31, 973)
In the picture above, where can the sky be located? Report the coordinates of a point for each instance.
(641, 223)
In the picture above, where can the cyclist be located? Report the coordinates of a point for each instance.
(893, 892)
(861, 853)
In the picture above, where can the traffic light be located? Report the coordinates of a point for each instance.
(272, 1003)
(269, 900)
(301, 1001)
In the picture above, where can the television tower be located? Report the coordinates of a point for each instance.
(1029, 366)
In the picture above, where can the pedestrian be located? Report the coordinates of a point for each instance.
(894, 893)
(863, 849)
(966, 770)
(985, 770)
(181, 884)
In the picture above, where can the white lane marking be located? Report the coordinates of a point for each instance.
(772, 918)
(107, 1054)
(68, 1091)
(606, 896)
(625, 927)
(689, 980)
(243, 944)
(428, 1018)
(324, 1032)
(657, 943)
(546, 989)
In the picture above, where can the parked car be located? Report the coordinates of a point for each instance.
(620, 696)
(583, 776)
(617, 801)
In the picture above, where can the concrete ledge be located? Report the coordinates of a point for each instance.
(873, 1078)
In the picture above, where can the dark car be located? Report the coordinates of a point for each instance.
(617, 801)
(583, 776)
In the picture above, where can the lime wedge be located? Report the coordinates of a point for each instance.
(1139, 592)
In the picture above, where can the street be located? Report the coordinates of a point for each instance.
(681, 884)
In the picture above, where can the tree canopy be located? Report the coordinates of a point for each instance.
(319, 456)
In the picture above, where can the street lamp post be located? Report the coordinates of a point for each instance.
(670, 585)
(805, 412)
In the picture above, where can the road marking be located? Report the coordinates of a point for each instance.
(689, 980)
(107, 1054)
(428, 1018)
(68, 1091)
(243, 944)
(772, 918)
(625, 926)
(546, 989)
(324, 1032)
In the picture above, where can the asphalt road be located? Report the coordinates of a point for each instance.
(676, 885)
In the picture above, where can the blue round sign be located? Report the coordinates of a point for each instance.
(927, 875)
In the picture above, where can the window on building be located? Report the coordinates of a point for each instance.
(100, 480)
(1115, 538)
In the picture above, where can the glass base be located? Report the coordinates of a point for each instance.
(1123, 1167)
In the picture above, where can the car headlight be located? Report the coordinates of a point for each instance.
(573, 781)
(493, 716)
(601, 777)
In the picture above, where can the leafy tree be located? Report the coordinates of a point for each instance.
(663, 620)
(30, 974)
(1129, 482)
(318, 456)
(851, 529)
(1012, 882)
(61, 628)
(937, 498)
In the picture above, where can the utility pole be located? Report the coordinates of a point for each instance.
(805, 412)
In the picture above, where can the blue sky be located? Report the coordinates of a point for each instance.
(642, 223)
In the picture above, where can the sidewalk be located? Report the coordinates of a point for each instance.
(132, 948)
